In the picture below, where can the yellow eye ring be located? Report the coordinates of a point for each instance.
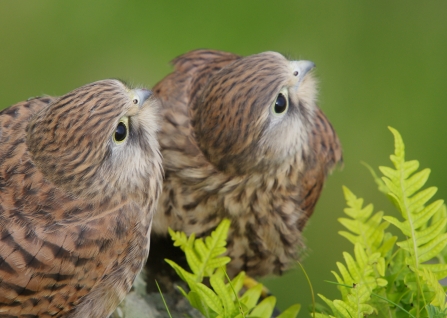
(121, 131)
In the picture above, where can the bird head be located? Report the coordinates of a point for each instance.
(99, 142)
(256, 113)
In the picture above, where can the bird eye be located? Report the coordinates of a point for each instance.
(135, 101)
(121, 132)
(281, 103)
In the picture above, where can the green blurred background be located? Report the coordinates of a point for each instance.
(379, 63)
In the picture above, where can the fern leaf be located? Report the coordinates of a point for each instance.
(251, 296)
(290, 312)
(428, 212)
(236, 285)
(210, 298)
(365, 229)
(422, 224)
(344, 309)
(184, 275)
(409, 166)
(215, 244)
(436, 312)
(391, 174)
(433, 248)
(197, 302)
(387, 244)
(439, 270)
(194, 262)
(355, 204)
(423, 243)
(218, 284)
(432, 282)
(331, 306)
(264, 309)
(366, 270)
(358, 273)
(430, 233)
(180, 239)
(417, 201)
(403, 226)
(218, 262)
(204, 257)
(182, 291)
(348, 310)
(344, 290)
(347, 279)
(441, 214)
(221, 301)
(415, 182)
(403, 283)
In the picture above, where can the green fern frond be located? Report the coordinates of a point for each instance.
(424, 224)
(365, 272)
(290, 312)
(181, 240)
(367, 230)
(204, 257)
(235, 285)
(405, 190)
(436, 312)
(360, 274)
(371, 245)
(352, 307)
(431, 282)
(404, 282)
(264, 309)
(250, 297)
(220, 300)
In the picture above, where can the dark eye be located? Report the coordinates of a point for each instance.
(280, 104)
(121, 131)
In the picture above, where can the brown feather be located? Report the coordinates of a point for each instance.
(73, 235)
(226, 155)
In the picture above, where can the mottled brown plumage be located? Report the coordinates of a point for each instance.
(234, 148)
(76, 199)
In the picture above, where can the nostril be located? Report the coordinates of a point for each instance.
(144, 94)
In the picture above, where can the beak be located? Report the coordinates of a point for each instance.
(301, 68)
(143, 94)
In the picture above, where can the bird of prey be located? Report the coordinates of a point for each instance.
(243, 138)
(80, 176)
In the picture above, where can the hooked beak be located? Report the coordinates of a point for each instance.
(143, 94)
(301, 68)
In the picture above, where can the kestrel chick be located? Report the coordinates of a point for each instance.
(243, 138)
(80, 177)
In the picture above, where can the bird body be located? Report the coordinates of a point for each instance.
(77, 194)
(242, 138)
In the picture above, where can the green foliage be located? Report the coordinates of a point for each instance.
(221, 299)
(386, 278)
(382, 277)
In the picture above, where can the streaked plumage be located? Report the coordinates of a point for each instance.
(233, 149)
(77, 195)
